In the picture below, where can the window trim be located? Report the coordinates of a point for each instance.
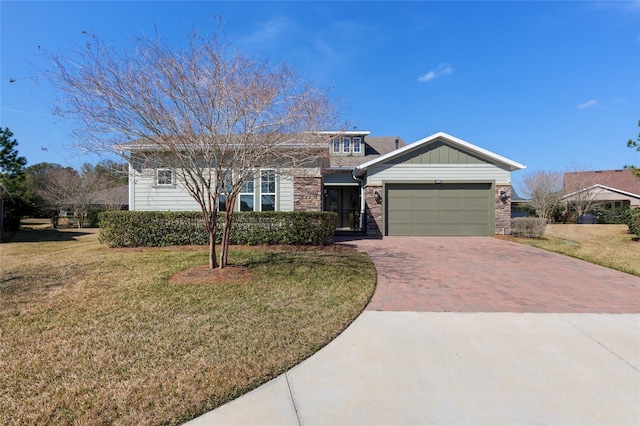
(346, 145)
(337, 145)
(250, 179)
(172, 178)
(357, 139)
(275, 189)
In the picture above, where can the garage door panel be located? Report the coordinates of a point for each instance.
(443, 209)
(419, 203)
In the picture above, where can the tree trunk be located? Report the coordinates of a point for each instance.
(226, 233)
(212, 249)
(210, 225)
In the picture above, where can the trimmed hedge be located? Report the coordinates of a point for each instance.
(528, 227)
(161, 229)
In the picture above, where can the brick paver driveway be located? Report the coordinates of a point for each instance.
(486, 274)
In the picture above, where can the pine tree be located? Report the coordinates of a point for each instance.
(12, 178)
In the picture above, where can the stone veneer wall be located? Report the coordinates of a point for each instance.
(307, 194)
(373, 212)
(503, 210)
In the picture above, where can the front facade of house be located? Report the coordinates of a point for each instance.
(381, 186)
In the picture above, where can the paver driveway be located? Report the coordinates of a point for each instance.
(486, 274)
(497, 366)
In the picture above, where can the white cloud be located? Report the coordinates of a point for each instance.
(442, 70)
(271, 32)
(588, 104)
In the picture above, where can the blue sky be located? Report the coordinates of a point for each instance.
(553, 85)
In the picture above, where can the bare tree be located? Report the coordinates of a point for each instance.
(544, 189)
(580, 193)
(210, 115)
(66, 188)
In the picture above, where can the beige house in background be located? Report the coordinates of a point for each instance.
(611, 188)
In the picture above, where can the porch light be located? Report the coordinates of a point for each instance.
(377, 196)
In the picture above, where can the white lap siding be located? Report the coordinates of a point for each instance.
(431, 172)
(149, 196)
(146, 195)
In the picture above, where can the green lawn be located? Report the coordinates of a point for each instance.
(607, 245)
(92, 335)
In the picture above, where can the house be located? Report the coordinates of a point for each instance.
(611, 189)
(439, 185)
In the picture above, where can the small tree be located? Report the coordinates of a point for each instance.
(210, 115)
(544, 189)
(35, 177)
(66, 188)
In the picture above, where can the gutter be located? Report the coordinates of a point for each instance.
(362, 200)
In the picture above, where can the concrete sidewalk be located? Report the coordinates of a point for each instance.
(458, 368)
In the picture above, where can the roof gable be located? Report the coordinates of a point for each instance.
(438, 152)
(472, 153)
(602, 189)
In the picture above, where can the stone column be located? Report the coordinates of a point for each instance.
(373, 211)
(503, 210)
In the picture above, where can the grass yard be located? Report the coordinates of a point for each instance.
(92, 335)
(607, 245)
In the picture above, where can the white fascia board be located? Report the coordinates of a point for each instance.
(607, 188)
(344, 132)
(513, 165)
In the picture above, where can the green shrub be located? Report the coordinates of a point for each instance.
(158, 229)
(633, 221)
(528, 227)
(617, 216)
(93, 217)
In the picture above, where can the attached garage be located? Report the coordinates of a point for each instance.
(439, 185)
(439, 209)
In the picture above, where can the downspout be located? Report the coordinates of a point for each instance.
(362, 200)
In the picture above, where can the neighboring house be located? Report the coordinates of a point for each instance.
(612, 189)
(115, 198)
(439, 185)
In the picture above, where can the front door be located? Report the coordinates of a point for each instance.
(333, 203)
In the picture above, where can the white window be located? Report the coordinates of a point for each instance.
(247, 195)
(357, 145)
(336, 145)
(346, 145)
(268, 190)
(164, 177)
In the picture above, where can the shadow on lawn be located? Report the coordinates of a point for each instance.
(42, 235)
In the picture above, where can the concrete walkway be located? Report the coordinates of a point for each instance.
(407, 361)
